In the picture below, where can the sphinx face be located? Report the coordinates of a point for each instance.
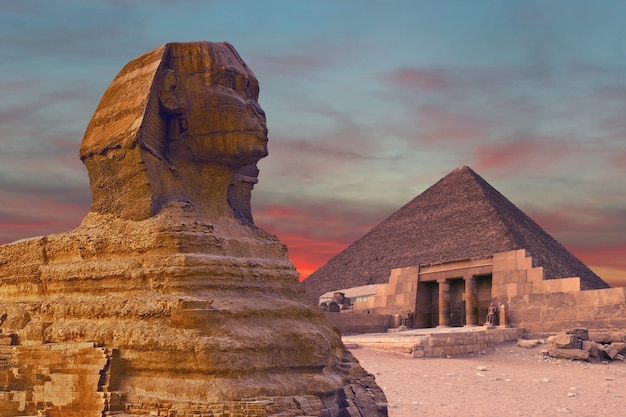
(223, 122)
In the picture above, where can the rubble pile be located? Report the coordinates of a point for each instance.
(575, 344)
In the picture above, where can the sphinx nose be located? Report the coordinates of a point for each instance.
(255, 110)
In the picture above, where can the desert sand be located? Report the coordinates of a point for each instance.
(506, 381)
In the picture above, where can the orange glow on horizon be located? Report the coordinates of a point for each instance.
(615, 277)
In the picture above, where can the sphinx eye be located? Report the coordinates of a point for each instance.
(253, 89)
(241, 82)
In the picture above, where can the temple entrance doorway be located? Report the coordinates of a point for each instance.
(457, 302)
(427, 311)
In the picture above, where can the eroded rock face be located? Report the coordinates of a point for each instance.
(194, 308)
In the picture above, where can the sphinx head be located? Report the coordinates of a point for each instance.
(176, 124)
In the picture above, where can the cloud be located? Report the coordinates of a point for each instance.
(620, 160)
(536, 153)
(594, 234)
(520, 153)
(439, 125)
(28, 213)
(307, 58)
(417, 79)
(292, 64)
(315, 231)
(573, 222)
(607, 255)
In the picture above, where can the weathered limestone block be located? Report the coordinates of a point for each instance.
(574, 354)
(581, 333)
(528, 343)
(564, 341)
(167, 270)
(612, 350)
(591, 347)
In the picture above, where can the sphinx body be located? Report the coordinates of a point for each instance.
(167, 295)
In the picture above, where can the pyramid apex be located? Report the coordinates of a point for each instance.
(461, 169)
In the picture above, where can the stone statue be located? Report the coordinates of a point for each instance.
(491, 315)
(407, 319)
(167, 293)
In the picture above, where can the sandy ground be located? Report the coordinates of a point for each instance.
(508, 381)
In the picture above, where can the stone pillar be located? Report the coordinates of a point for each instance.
(444, 303)
(471, 306)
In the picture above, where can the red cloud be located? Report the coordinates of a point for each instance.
(503, 155)
(308, 254)
(581, 221)
(441, 125)
(620, 160)
(418, 79)
(313, 232)
(30, 216)
(593, 235)
(608, 255)
(524, 152)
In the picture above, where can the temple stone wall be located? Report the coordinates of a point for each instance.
(438, 344)
(546, 306)
(353, 323)
(398, 296)
(530, 301)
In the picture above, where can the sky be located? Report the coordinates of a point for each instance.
(368, 103)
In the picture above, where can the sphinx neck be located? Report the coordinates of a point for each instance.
(202, 188)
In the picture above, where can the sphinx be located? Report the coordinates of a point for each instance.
(167, 298)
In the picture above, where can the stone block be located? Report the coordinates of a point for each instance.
(617, 323)
(535, 274)
(609, 311)
(518, 276)
(584, 313)
(500, 278)
(528, 344)
(575, 354)
(503, 256)
(499, 291)
(611, 296)
(553, 285)
(530, 315)
(613, 349)
(524, 263)
(588, 298)
(563, 340)
(571, 284)
(591, 347)
(418, 353)
(504, 265)
(512, 290)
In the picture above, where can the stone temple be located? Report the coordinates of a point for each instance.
(451, 253)
(167, 300)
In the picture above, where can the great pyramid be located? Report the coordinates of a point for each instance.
(460, 217)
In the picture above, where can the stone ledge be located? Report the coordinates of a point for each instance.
(428, 343)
